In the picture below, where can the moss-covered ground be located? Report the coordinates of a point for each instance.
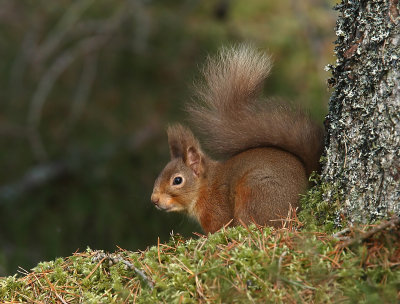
(235, 265)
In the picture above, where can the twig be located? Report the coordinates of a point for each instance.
(83, 89)
(54, 289)
(143, 25)
(158, 251)
(22, 58)
(54, 39)
(338, 235)
(115, 258)
(43, 174)
(35, 177)
(46, 84)
(278, 283)
(83, 48)
(393, 222)
(102, 259)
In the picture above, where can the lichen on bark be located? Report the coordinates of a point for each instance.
(363, 124)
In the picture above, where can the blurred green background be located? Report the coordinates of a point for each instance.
(87, 89)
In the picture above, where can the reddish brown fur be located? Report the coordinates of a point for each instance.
(211, 201)
(233, 119)
(269, 150)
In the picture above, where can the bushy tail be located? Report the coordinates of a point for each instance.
(232, 120)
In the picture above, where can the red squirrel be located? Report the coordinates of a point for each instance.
(268, 149)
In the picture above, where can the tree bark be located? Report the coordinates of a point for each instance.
(362, 164)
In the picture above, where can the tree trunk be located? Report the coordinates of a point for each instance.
(362, 164)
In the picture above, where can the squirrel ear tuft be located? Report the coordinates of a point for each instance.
(180, 139)
(183, 144)
(174, 142)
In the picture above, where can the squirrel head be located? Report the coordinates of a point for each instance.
(177, 186)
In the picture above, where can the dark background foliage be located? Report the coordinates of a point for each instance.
(87, 89)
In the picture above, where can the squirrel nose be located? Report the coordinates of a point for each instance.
(155, 199)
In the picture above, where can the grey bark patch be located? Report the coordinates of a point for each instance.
(363, 142)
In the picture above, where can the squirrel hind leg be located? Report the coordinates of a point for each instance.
(263, 200)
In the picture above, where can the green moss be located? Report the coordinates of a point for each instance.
(318, 213)
(237, 265)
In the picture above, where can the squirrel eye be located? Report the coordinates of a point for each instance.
(177, 180)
